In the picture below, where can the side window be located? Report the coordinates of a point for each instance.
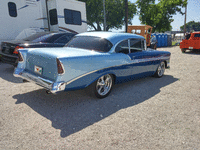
(72, 17)
(12, 8)
(53, 17)
(136, 45)
(122, 47)
(197, 35)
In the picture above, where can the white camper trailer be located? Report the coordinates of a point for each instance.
(48, 15)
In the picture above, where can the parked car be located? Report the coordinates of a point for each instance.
(190, 42)
(9, 50)
(96, 60)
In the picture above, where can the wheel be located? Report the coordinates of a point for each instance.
(160, 70)
(102, 87)
(183, 50)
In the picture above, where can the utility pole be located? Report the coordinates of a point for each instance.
(126, 15)
(185, 20)
(104, 13)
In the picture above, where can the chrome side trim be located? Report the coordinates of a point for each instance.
(133, 62)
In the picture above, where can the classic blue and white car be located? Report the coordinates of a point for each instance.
(96, 60)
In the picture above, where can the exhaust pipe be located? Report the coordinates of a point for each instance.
(48, 92)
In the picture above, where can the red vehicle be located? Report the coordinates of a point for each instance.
(191, 42)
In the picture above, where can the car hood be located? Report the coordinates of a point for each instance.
(63, 52)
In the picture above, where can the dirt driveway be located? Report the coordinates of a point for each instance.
(149, 113)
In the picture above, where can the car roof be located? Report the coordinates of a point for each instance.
(112, 36)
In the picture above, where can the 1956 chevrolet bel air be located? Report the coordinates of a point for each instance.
(96, 60)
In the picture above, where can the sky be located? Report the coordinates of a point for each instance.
(193, 14)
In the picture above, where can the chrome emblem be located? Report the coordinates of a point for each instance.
(38, 69)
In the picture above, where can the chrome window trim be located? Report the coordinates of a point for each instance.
(129, 46)
(114, 47)
(142, 48)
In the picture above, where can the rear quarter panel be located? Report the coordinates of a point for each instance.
(76, 67)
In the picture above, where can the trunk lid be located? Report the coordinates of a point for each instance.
(42, 62)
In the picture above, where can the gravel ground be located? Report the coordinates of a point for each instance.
(149, 113)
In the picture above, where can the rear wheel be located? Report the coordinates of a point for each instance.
(160, 70)
(183, 50)
(102, 87)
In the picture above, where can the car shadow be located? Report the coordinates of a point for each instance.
(6, 73)
(74, 110)
(196, 52)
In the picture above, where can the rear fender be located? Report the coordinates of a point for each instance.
(100, 75)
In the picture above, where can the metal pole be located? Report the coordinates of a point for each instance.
(126, 15)
(104, 13)
(185, 20)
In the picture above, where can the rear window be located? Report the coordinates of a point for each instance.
(90, 43)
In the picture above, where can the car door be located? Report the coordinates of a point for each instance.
(138, 55)
(123, 48)
(141, 61)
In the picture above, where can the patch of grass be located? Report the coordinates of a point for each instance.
(173, 43)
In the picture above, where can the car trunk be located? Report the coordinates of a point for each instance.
(45, 59)
(43, 66)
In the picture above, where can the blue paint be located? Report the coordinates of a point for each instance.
(23, 7)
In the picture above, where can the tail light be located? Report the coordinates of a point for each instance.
(20, 57)
(59, 66)
(16, 49)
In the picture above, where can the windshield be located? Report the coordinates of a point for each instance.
(90, 43)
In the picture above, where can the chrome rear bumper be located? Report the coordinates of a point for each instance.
(53, 87)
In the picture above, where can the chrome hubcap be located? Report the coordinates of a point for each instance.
(161, 69)
(104, 84)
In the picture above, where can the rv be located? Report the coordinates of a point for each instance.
(26, 16)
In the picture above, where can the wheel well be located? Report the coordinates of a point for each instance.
(114, 77)
(165, 64)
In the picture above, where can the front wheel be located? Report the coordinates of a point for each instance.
(102, 87)
(160, 70)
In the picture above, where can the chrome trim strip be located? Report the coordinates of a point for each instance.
(136, 61)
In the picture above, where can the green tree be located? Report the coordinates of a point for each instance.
(191, 26)
(159, 16)
(115, 13)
